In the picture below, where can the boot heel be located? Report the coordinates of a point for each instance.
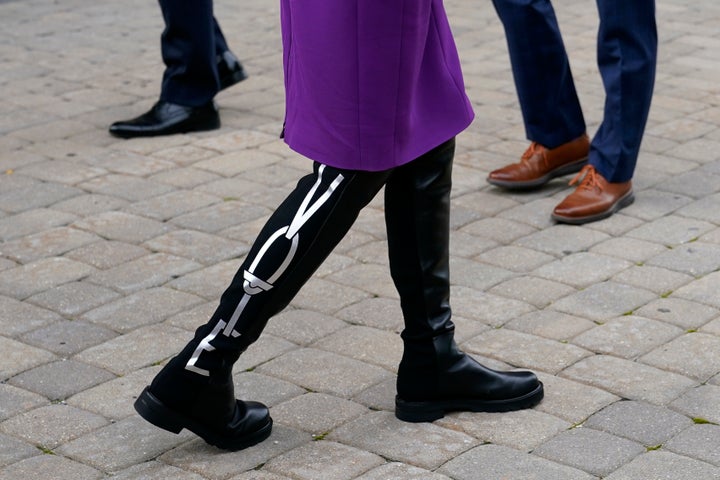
(152, 410)
(416, 412)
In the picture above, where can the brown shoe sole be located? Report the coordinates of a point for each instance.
(540, 181)
(623, 202)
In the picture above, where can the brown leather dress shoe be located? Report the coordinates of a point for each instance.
(538, 165)
(594, 199)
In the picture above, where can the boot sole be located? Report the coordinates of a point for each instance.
(540, 181)
(623, 202)
(433, 410)
(155, 412)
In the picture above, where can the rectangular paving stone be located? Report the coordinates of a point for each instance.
(366, 344)
(72, 299)
(702, 402)
(400, 471)
(210, 462)
(304, 327)
(145, 272)
(425, 445)
(20, 317)
(121, 444)
(492, 310)
(32, 221)
(582, 269)
(648, 424)
(107, 254)
(695, 258)
(630, 249)
(628, 379)
(604, 301)
(627, 337)
(560, 240)
(49, 243)
(323, 459)
(145, 307)
(139, 348)
(496, 461)
(14, 450)
(570, 400)
(18, 357)
(533, 290)
(698, 441)
(551, 324)
(58, 380)
(592, 451)
(52, 425)
(35, 277)
(123, 227)
(49, 466)
(155, 471)
(317, 413)
(126, 187)
(661, 465)
(198, 246)
(685, 314)
(523, 350)
(693, 355)
(703, 290)
(326, 372)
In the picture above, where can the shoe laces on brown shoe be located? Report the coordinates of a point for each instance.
(532, 150)
(588, 179)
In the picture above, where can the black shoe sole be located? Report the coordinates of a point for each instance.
(433, 410)
(623, 202)
(234, 78)
(155, 412)
(540, 181)
(182, 127)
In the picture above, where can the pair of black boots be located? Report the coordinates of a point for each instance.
(195, 389)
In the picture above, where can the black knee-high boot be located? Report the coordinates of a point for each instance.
(434, 376)
(195, 389)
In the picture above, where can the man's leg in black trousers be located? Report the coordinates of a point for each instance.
(195, 390)
(434, 375)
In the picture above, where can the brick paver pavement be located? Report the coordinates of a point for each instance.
(112, 252)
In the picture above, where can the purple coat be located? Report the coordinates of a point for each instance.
(370, 84)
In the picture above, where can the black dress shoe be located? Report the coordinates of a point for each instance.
(230, 70)
(166, 118)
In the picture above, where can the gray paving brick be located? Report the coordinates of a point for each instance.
(15, 401)
(14, 450)
(172, 204)
(90, 204)
(400, 471)
(487, 308)
(707, 208)
(316, 413)
(258, 475)
(52, 425)
(654, 279)
(495, 461)
(572, 401)
(629, 379)
(155, 471)
(523, 430)
(145, 272)
(266, 348)
(693, 355)
(517, 259)
(680, 312)
(699, 441)
(627, 337)
(383, 313)
(121, 444)
(220, 216)
(703, 290)
(35, 277)
(374, 279)
(523, 350)
(125, 186)
(144, 307)
(23, 200)
(603, 301)
(593, 451)
(208, 461)
(661, 465)
(535, 291)
(702, 403)
(58, 380)
(32, 221)
(582, 269)
(72, 299)
(265, 389)
(562, 240)
(304, 327)
(20, 317)
(326, 372)
(369, 345)
(630, 249)
(551, 324)
(107, 254)
(208, 282)
(49, 466)
(641, 422)
(18, 357)
(50, 243)
(380, 396)
(123, 227)
(673, 230)
(114, 399)
(324, 459)
(327, 297)
(423, 444)
(498, 230)
(695, 258)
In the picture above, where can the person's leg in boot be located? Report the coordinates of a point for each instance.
(434, 376)
(195, 389)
